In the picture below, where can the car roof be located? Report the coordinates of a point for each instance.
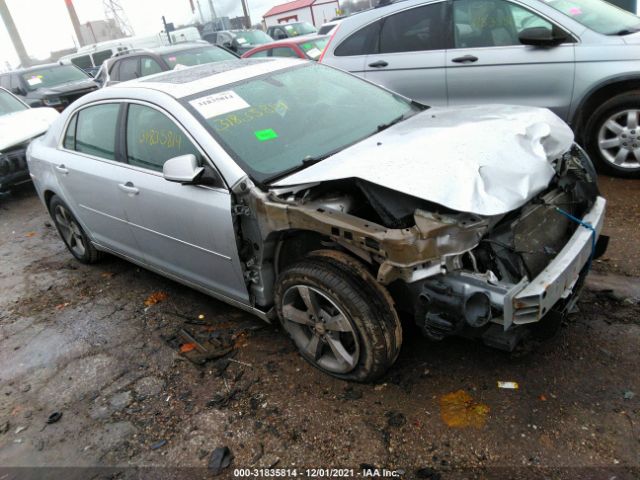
(290, 40)
(200, 78)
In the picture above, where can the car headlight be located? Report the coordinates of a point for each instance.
(51, 102)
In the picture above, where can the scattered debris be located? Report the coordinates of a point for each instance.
(25, 388)
(220, 400)
(30, 234)
(396, 419)
(158, 444)
(4, 427)
(208, 345)
(219, 460)
(427, 472)
(351, 393)
(542, 398)
(54, 417)
(458, 409)
(155, 297)
(148, 387)
(60, 306)
(508, 385)
(20, 429)
(628, 395)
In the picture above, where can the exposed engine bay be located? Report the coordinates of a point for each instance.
(454, 272)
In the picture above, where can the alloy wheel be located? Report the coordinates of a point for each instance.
(320, 329)
(70, 230)
(619, 139)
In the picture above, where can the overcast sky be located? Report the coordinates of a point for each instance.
(44, 25)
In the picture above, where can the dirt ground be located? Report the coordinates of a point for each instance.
(81, 341)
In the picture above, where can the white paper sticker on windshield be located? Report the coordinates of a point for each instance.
(34, 81)
(241, 40)
(314, 53)
(219, 104)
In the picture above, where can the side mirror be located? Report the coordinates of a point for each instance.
(183, 169)
(540, 37)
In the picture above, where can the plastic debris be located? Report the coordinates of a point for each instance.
(628, 395)
(54, 417)
(458, 409)
(158, 444)
(508, 385)
(219, 460)
(155, 297)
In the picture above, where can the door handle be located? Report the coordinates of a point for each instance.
(378, 64)
(465, 59)
(128, 188)
(62, 169)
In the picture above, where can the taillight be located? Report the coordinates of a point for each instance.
(335, 30)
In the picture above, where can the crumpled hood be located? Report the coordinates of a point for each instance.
(19, 127)
(487, 159)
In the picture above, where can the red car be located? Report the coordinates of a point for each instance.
(308, 47)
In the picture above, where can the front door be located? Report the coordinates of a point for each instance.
(490, 65)
(184, 230)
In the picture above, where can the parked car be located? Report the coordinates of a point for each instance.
(465, 218)
(141, 63)
(308, 48)
(329, 27)
(239, 41)
(289, 30)
(19, 124)
(576, 57)
(50, 85)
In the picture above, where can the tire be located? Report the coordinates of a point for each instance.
(342, 321)
(619, 137)
(72, 234)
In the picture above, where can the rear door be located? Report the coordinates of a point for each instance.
(490, 65)
(410, 54)
(85, 168)
(184, 230)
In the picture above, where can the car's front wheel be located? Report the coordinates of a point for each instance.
(338, 316)
(613, 136)
(71, 232)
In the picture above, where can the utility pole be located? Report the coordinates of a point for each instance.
(75, 22)
(245, 10)
(200, 12)
(212, 10)
(13, 33)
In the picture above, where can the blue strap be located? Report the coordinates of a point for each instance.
(586, 225)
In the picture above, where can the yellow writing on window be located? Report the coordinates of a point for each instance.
(250, 114)
(165, 138)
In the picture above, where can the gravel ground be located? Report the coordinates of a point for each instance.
(98, 345)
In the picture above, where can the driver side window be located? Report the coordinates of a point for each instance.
(153, 138)
(492, 23)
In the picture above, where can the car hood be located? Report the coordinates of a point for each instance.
(68, 87)
(486, 160)
(19, 127)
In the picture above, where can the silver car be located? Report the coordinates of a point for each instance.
(306, 195)
(577, 57)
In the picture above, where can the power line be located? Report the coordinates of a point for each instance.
(113, 11)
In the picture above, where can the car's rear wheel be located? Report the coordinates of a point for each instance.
(339, 317)
(613, 136)
(71, 232)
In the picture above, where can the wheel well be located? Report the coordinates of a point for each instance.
(48, 194)
(597, 98)
(293, 245)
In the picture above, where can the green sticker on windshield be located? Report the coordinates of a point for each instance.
(264, 135)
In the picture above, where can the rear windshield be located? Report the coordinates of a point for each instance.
(324, 29)
(252, 37)
(197, 56)
(599, 16)
(278, 122)
(53, 76)
(314, 48)
(295, 29)
(9, 103)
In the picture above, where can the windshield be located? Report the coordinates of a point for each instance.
(599, 16)
(252, 37)
(9, 103)
(272, 123)
(197, 56)
(295, 29)
(314, 48)
(52, 76)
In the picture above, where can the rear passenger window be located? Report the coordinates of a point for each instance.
(128, 69)
(96, 130)
(70, 136)
(363, 42)
(149, 66)
(414, 30)
(153, 138)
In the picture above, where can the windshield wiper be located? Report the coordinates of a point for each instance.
(627, 31)
(384, 126)
(309, 160)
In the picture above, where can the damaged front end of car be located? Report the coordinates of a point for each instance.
(483, 276)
